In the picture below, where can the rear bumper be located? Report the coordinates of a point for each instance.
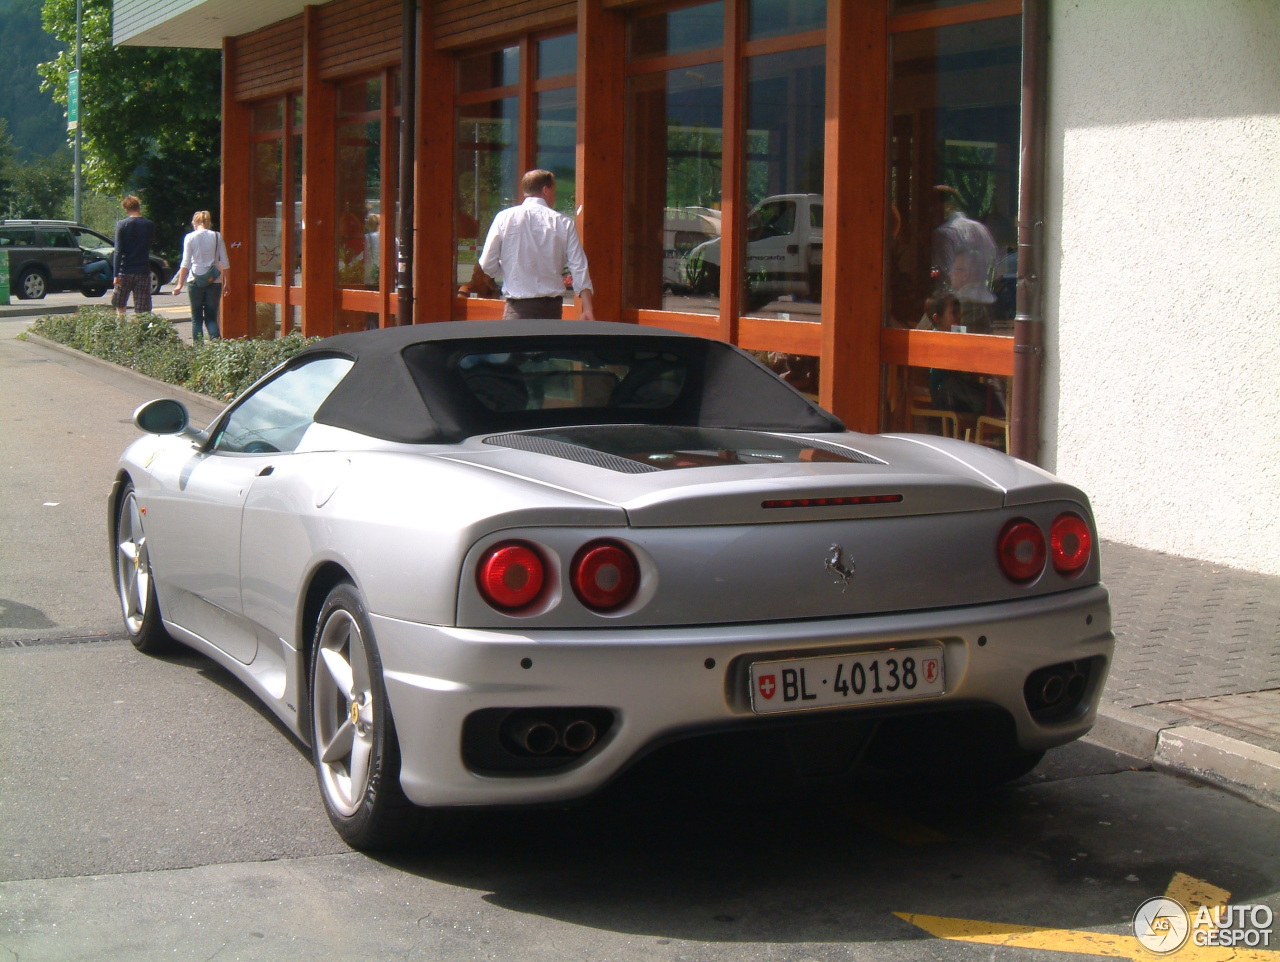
(667, 682)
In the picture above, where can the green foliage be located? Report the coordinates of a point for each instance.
(150, 117)
(225, 368)
(148, 344)
(40, 188)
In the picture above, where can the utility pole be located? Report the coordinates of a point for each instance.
(75, 118)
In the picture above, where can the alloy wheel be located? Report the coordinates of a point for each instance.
(133, 565)
(342, 696)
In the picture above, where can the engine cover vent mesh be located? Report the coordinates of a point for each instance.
(570, 452)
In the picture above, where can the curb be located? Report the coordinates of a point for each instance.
(1205, 756)
(21, 310)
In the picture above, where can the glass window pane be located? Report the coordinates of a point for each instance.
(557, 143)
(360, 97)
(297, 209)
(676, 31)
(674, 159)
(277, 415)
(484, 71)
(268, 117)
(953, 404)
(915, 6)
(955, 100)
(785, 136)
(487, 179)
(774, 18)
(558, 56)
(266, 200)
(359, 188)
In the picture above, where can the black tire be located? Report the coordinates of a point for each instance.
(93, 291)
(156, 282)
(135, 585)
(32, 285)
(353, 737)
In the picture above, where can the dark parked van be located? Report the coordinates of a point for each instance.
(47, 256)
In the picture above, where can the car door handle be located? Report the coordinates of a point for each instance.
(269, 469)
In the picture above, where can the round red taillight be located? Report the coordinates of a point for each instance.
(604, 575)
(1022, 550)
(511, 575)
(1070, 543)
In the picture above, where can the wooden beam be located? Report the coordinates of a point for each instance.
(854, 225)
(435, 243)
(319, 149)
(732, 183)
(237, 224)
(599, 162)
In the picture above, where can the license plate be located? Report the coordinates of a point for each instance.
(833, 681)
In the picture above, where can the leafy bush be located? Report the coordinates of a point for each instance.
(148, 344)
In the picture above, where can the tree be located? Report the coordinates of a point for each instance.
(150, 117)
(6, 160)
(40, 187)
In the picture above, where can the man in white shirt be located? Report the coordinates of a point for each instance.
(529, 247)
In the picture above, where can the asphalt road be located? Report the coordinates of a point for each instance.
(150, 809)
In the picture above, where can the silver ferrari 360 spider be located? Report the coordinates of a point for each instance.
(484, 564)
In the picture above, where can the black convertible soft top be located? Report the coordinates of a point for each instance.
(443, 382)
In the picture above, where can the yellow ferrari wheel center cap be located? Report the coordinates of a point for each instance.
(355, 713)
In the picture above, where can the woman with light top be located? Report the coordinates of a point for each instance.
(204, 261)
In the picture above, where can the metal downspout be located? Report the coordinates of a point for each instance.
(408, 140)
(1028, 322)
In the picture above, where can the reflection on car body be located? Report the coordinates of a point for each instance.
(489, 564)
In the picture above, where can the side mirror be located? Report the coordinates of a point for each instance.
(165, 416)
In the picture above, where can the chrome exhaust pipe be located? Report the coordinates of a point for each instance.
(1053, 689)
(578, 736)
(535, 736)
(1075, 686)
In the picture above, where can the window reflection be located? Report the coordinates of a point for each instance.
(699, 27)
(359, 183)
(785, 128)
(954, 404)
(774, 18)
(486, 175)
(674, 173)
(266, 198)
(557, 142)
(955, 95)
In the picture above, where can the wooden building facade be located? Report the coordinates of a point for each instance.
(836, 183)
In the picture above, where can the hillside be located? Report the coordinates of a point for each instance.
(36, 124)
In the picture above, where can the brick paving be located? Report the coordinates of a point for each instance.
(1196, 643)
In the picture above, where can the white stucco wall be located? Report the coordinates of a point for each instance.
(1162, 272)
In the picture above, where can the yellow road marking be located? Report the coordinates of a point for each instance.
(1191, 893)
(1196, 893)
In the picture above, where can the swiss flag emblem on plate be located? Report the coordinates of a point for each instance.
(768, 685)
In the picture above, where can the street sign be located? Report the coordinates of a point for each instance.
(73, 100)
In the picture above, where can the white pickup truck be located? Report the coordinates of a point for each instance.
(784, 251)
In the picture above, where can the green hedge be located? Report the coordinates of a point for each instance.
(148, 344)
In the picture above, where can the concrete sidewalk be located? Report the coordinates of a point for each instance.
(1195, 685)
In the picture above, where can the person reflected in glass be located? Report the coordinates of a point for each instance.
(956, 391)
(963, 258)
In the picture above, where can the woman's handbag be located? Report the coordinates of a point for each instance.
(201, 281)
